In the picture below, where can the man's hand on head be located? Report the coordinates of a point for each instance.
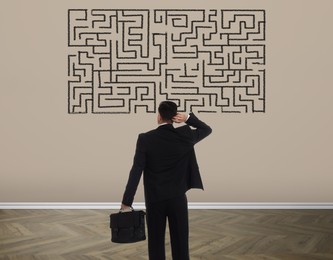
(180, 118)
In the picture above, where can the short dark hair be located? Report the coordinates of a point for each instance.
(167, 110)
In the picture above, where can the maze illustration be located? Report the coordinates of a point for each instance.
(128, 61)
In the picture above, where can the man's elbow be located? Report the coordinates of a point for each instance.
(209, 130)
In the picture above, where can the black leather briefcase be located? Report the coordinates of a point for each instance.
(128, 227)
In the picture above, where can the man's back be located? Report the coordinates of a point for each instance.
(169, 155)
(167, 158)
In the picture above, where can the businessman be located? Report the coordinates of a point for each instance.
(167, 159)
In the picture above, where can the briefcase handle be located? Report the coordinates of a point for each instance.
(130, 209)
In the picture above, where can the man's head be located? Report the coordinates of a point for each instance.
(166, 111)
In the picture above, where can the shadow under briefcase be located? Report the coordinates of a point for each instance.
(128, 227)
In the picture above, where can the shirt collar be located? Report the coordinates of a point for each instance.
(165, 124)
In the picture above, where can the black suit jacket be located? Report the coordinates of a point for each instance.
(167, 158)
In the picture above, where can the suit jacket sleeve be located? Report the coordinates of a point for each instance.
(202, 129)
(135, 173)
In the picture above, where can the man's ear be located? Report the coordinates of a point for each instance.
(159, 118)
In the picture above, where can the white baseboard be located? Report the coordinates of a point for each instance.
(141, 205)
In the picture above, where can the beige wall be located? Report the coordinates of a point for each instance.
(283, 155)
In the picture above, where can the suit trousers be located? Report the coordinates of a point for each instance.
(174, 210)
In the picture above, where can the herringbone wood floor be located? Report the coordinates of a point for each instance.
(214, 235)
